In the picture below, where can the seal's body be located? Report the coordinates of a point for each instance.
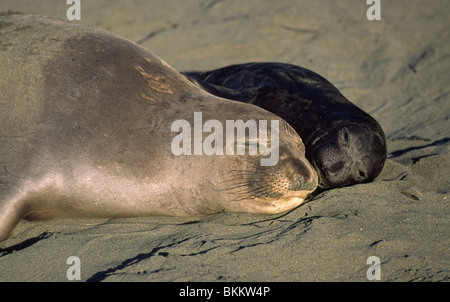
(344, 144)
(86, 130)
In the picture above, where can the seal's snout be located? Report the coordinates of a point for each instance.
(301, 175)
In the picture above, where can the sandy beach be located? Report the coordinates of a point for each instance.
(397, 69)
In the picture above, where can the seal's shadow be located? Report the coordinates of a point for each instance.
(25, 244)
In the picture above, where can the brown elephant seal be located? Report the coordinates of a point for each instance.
(345, 145)
(93, 125)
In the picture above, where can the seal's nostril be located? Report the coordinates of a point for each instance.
(362, 174)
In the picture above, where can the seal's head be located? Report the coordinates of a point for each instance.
(347, 152)
(277, 188)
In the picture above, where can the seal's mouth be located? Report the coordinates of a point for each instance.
(271, 182)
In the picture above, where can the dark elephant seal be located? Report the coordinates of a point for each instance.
(86, 130)
(344, 144)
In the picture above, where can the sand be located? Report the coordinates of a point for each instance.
(397, 69)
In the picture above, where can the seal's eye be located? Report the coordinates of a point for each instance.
(345, 136)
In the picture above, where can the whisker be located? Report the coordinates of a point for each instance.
(254, 182)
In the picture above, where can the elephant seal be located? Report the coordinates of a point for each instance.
(87, 130)
(345, 145)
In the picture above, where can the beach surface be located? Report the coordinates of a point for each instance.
(397, 69)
